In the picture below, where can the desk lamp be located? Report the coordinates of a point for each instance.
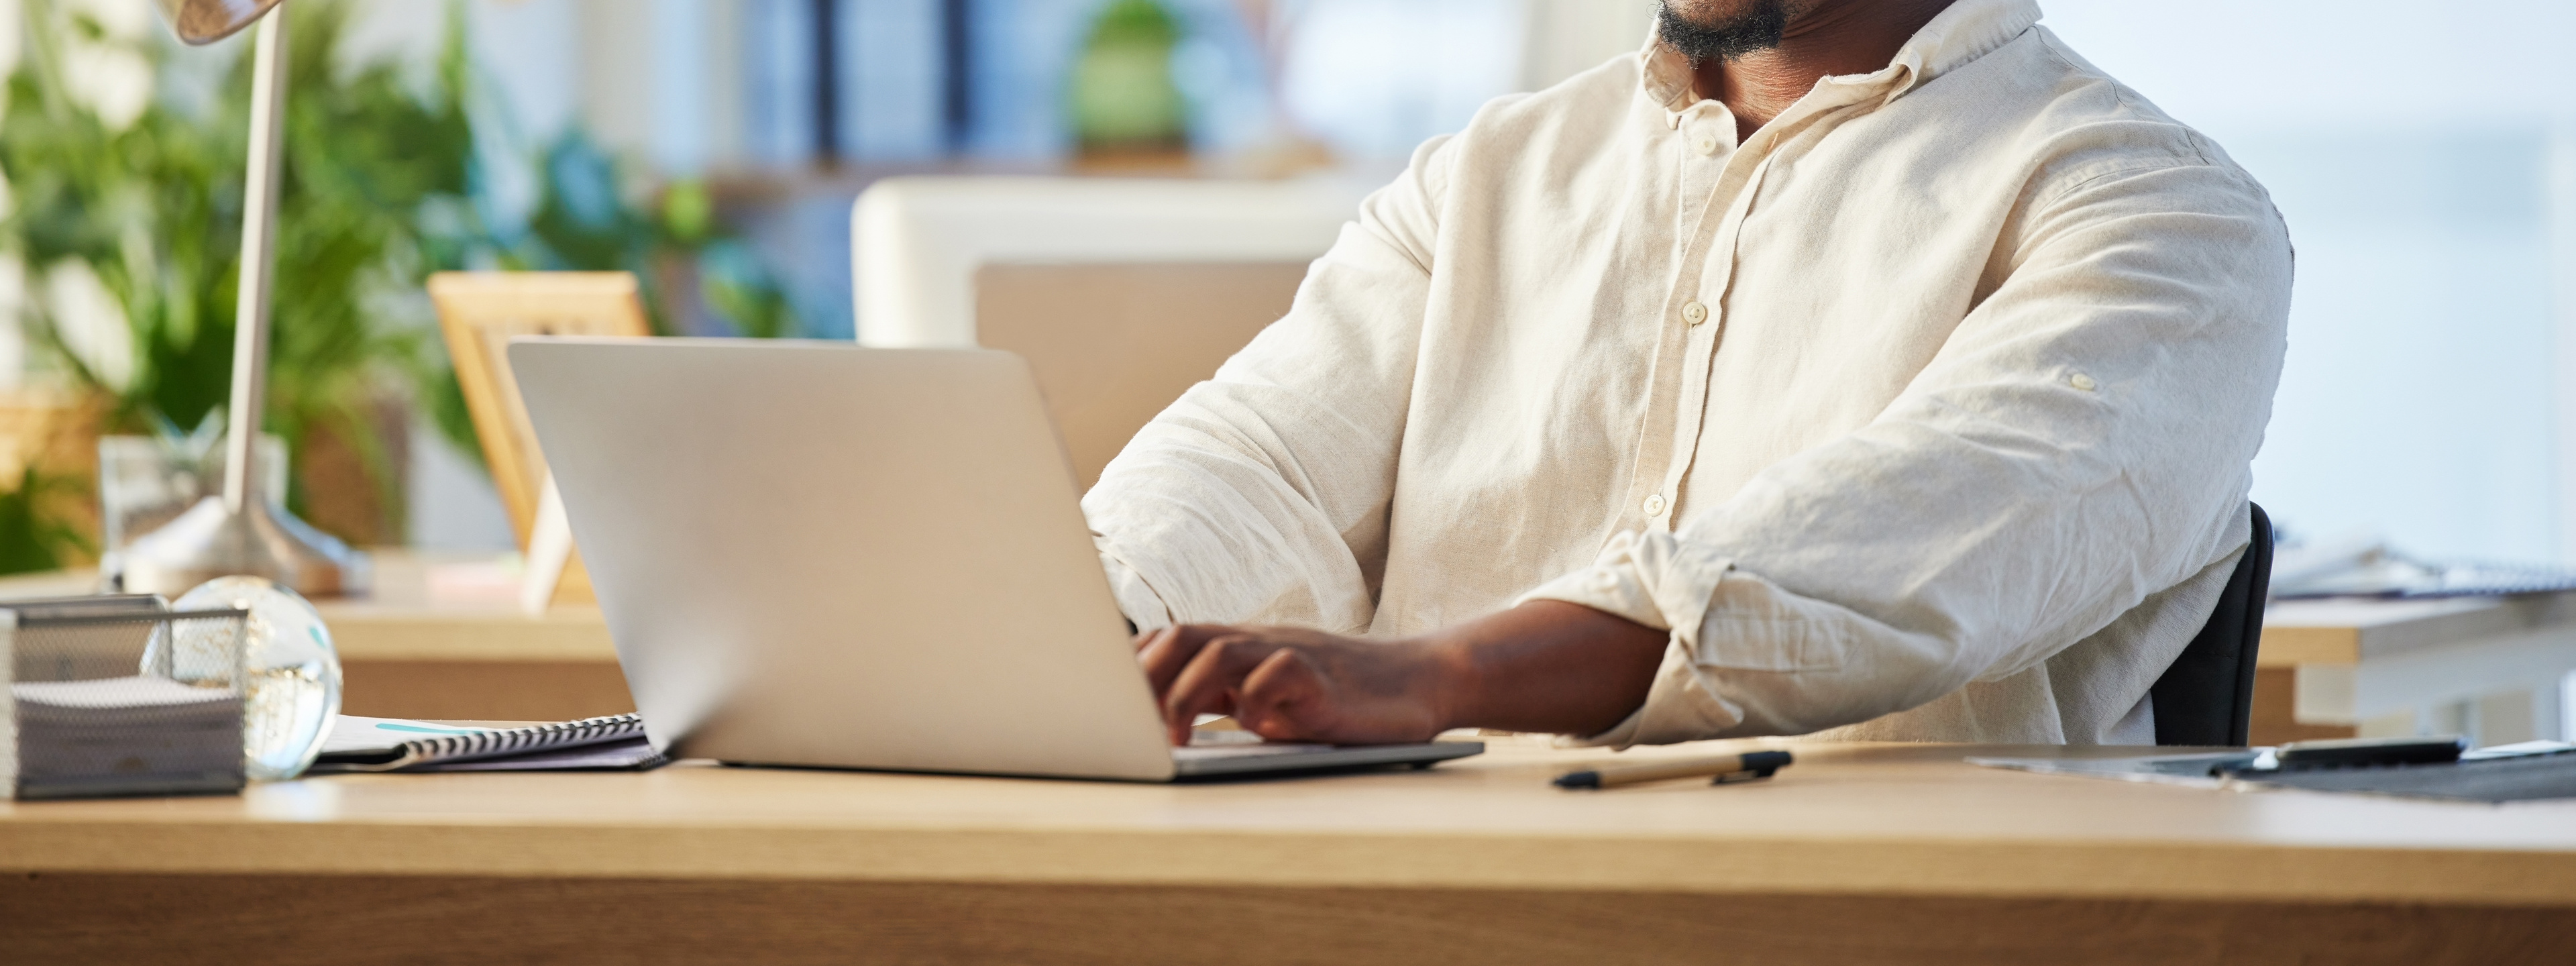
(240, 532)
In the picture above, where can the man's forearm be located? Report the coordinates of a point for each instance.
(1545, 666)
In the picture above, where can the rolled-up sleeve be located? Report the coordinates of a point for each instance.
(2081, 442)
(1262, 494)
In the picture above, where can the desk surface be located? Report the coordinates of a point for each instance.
(1885, 819)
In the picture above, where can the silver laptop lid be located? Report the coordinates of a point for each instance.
(818, 554)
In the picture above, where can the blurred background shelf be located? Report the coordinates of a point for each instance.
(441, 637)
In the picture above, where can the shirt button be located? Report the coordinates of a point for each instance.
(1655, 505)
(1694, 313)
(1707, 145)
(2082, 381)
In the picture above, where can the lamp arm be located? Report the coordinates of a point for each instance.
(258, 261)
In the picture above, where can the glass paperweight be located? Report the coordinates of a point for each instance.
(291, 671)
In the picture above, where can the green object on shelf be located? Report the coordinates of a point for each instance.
(1123, 95)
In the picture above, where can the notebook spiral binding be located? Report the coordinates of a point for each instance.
(499, 744)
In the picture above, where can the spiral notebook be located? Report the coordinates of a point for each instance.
(358, 744)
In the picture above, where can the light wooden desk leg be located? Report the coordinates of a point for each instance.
(2276, 700)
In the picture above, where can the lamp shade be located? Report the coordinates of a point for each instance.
(207, 21)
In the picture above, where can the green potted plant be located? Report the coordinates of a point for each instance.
(126, 219)
(120, 220)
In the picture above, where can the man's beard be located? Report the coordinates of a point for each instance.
(1758, 27)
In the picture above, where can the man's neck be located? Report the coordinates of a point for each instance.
(1834, 37)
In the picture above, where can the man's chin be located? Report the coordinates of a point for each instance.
(1705, 30)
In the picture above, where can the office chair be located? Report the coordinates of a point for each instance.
(2207, 696)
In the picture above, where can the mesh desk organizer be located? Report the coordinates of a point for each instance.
(120, 696)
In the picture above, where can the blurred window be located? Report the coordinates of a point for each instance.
(2423, 156)
(1374, 78)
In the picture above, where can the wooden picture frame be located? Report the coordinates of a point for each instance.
(479, 313)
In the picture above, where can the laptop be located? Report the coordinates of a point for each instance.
(816, 554)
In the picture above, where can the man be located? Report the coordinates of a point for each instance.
(1870, 367)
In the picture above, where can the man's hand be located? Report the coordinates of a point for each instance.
(1542, 666)
(1290, 684)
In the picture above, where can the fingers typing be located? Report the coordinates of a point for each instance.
(1209, 682)
(1279, 696)
(1165, 652)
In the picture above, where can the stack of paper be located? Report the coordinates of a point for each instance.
(128, 735)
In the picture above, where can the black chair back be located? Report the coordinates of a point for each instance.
(2207, 696)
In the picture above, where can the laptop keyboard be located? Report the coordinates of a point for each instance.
(1205, 752)
(1206, 743)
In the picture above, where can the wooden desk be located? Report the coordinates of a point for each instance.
(1872, 854)
(406, 653)
(2487, 667)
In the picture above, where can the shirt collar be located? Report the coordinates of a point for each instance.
(1969, 29)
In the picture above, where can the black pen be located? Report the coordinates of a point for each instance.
(1726, 769)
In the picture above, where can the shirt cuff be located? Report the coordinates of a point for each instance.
(1678, 707)
(1611, 586)
(1656, 581)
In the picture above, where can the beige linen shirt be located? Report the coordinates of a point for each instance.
(1925, 414)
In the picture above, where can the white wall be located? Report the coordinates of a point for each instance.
(1568, 37)
(452, 503)
(2410, 146)
(1374, 78)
